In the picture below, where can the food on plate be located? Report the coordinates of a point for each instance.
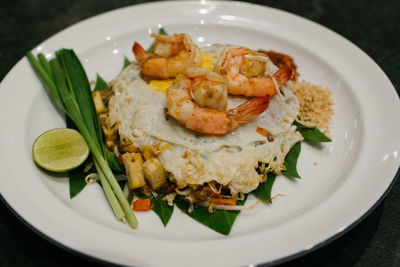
(67, 83)
(315, 104)
(197, 127)
(171, 55)
(60, 150)
(192, 97)
(282, 60)
(212, 127)
(245, 70)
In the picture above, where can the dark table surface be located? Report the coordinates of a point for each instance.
(374, 26)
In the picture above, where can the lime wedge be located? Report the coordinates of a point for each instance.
(60, 150)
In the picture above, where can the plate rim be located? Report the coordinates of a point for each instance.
(305, 251)
(272, 262)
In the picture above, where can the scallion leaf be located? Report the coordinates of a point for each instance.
(45, 78)
(108, 190)
(45, 64)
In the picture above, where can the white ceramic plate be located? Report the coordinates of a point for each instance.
(352, 173)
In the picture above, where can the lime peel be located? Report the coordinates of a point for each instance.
(60, 150)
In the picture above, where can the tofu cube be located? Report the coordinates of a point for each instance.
(154, 173)
(133, 163)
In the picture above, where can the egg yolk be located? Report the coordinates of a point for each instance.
(207, 61)
(161, 85)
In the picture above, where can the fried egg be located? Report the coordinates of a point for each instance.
(194, 159)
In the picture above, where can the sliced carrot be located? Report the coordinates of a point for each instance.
(262, 131)
(224, 201)
(142, 204)
(120, 161)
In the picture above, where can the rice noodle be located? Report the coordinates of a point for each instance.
(227, 207)
(91, 178)
(238, 207)
(281, 99)
(88, 167)
(154, 193)
(185, 192)
(170, 198)
(191, 207)
(214, 188)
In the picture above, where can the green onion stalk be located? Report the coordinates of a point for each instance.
(67, 82)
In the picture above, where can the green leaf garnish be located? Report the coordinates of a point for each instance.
(140, 194)
(162, 209)
(76, 177)
(220, 221)
(311, 134)
(126, 62)
(112, 160)
(131, 196)
(122, 184)
(70, 124)
(263, 191)
(291, 161)
(76, 181)
(160, 31)
(100, 84)
(68, 84)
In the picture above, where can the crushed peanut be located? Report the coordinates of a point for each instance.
(315, 105)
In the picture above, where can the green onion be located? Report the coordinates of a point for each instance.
(45, 64)
(67, 82)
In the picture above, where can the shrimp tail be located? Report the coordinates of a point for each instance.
(283, 75)
(248, 110)
(139, 52)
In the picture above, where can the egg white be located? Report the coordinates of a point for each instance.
(193, 158)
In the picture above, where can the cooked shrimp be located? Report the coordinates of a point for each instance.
(281, 60)
(245, 70)
(208, 88)
(205, 120)
(171, 55)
